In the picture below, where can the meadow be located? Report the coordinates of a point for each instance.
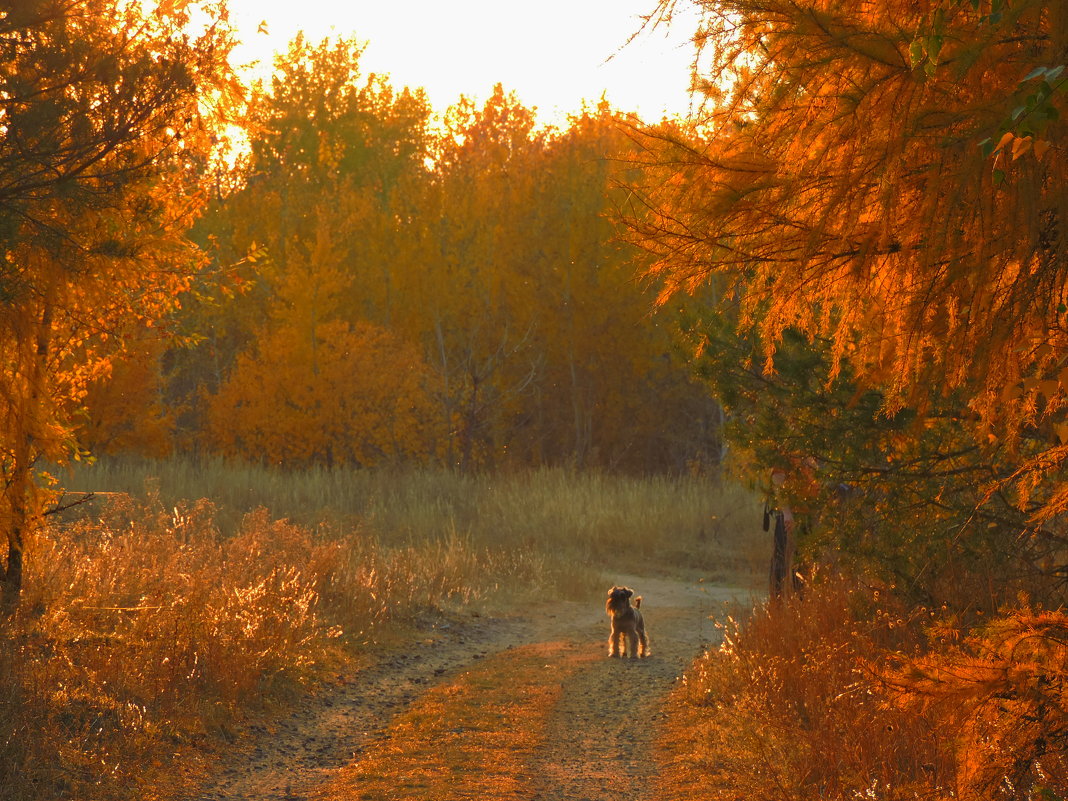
(185, 600)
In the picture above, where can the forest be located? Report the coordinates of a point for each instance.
(836, 292)
(384, 290)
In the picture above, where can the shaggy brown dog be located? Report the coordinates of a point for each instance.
(627, 623)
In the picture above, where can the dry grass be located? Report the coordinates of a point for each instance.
(590, 517)
(151, 626)
(146, 632)
(846, 696)
(790, 708)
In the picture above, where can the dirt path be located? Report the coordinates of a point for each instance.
(602, 730)
(570, 723)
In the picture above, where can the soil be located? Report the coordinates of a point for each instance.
(595, 741)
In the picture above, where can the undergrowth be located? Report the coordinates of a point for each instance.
(145, 631)
(847, 695)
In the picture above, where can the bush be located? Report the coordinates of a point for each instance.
(145, 632)
(846, 695)
(791, 707)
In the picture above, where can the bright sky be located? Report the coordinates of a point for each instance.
(552, 53)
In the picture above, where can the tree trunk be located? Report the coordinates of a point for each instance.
(19, 494)
(12, 575)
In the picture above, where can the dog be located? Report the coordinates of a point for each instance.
(627, 624)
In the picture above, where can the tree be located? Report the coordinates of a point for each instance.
(887, 177)
(325, 192)
(899, 496)
(317, 389)
(545, 340)
(124, 410)
(106, 118)
(335, 395)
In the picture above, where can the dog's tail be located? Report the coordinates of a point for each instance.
(638, 602)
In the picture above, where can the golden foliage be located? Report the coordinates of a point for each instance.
(1003, 690)
(108, 116)
(328, 395)
(868, 173)
(487, 246)
(132, 395)
(788, 708)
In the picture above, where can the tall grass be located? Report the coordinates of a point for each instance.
(789, 708)
(159, 615)
(847, 695)
(144, 631)
(600, 518)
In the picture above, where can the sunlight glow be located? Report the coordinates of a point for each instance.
(556, 54)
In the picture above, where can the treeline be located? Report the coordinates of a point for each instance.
(386, 288)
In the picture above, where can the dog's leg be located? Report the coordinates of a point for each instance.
(613, 642)
(644, 650)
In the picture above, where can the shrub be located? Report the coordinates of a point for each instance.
(791, 707)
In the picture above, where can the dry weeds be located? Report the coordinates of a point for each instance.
(845, 695)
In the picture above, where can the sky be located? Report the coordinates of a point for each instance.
(554, 54)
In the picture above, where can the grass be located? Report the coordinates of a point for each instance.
(157, 617)
(618, 521)
(847, 694)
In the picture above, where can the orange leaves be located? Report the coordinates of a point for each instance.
(124, 409)
(880, 225)
(335, 395)
(1018, 146)
(1003, 690)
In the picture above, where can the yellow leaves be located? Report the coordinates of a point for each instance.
(255, 252)
(1020, 146)
(169, 9)
(1006, 139)
(1015, 145)
(337, 394)
(123, 408)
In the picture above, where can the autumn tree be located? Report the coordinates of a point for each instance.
(545, 342)
(613, 392)
(889, 178)
(106, 117)
(318, 202)
(124, 409)
(477, 328)
(877, 197)
(896, 496)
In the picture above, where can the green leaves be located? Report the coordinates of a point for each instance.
(1033, 115)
